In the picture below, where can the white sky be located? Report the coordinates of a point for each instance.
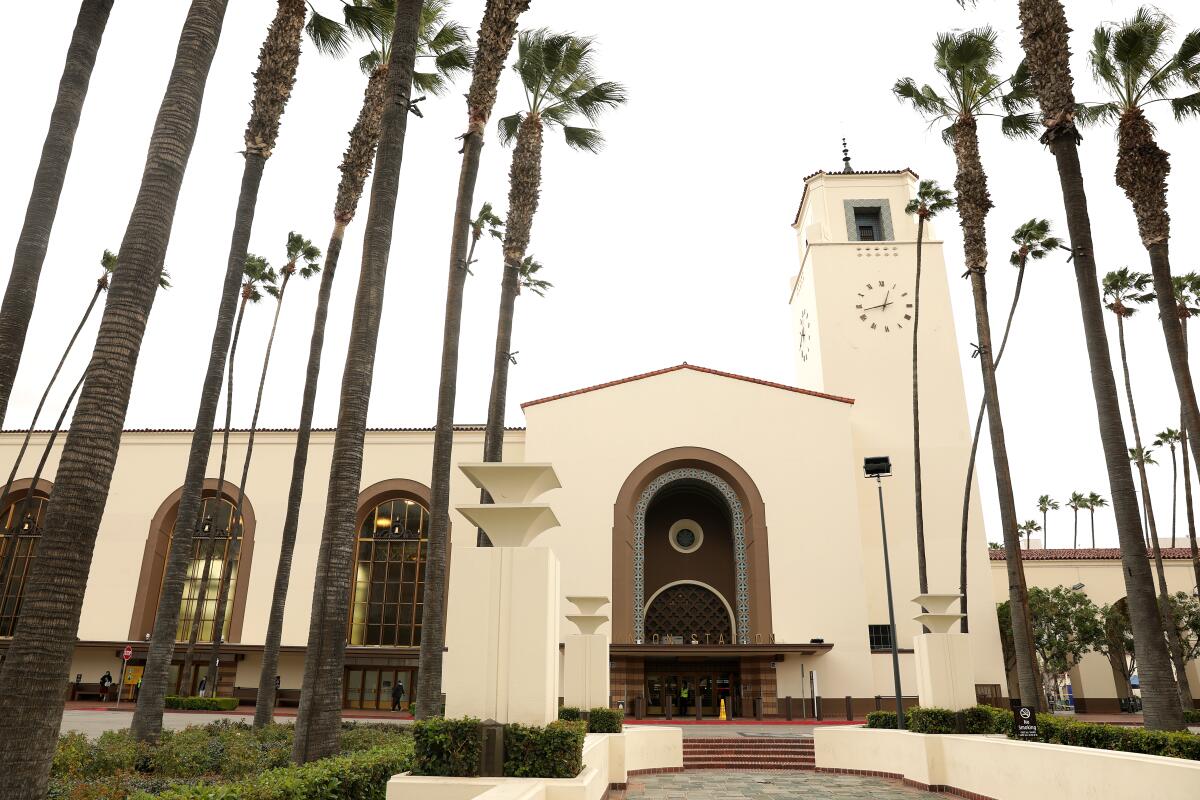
(672, 245)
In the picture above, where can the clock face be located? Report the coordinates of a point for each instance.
(805, 335)
(883, 306)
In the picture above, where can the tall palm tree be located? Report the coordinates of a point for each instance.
(318, 724)
(930, 201)
(1046, 504)
(301, 259)
(34, 238)
(1131, 62)
(1076, 502)
(1124, 289)
(256, 274)
(561, 85)
(278, 59)
(1186, 289)
(39, 654)
(1094, 501)
(444, 43)
(1029, 527)
(1045, 39)
(496, 34)
(966, 63)
(1169, 438)
(1034, 242)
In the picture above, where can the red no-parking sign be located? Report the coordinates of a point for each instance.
(128, 654)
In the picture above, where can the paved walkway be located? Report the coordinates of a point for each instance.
(716, 785)
(725, 730)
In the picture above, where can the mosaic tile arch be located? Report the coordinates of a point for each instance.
(739, 547)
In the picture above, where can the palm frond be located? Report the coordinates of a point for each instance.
(1097, 113)
(588, 139)
(108, 261)
(1021, 126)
(369, 20)
(1184, 107)
(370, 62)
(1021, 94)
(507, 127)
(327, 34)
(924, 98)
(164, 279)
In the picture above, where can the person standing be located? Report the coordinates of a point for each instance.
(202, 689)
(106, 680)
(397, 694)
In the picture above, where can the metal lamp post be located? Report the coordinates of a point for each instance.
(880, 467)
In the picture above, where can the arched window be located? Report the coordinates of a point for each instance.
(389, 575)
(212, 540)
(19, 537)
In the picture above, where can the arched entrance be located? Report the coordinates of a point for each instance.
(687, 608)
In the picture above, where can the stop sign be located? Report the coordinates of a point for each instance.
(128, 654)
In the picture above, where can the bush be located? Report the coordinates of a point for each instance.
(988, 719)
(1176, 744)
(1192, 716)
(931, 720)
(555, 751)
(604, 720)
(200, 703)
(360, 776)
(883, 719)
(570, 713)
(449, 747)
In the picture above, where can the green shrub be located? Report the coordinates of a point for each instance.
(988, 719)
(357, 737)
(883, 719)
(449, 747)
(1177, 744)
(1192, 716)
(570, 713)
(360, 776)
(605, 720)
(555, 751)
(200, 703)
(931, 720)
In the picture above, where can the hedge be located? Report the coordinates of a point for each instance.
(555, 751)
(200, 703)
(360, 776)
(448, 747)
(1192, 717)
(978, 719)
(570, 713)
(1177, 744)
(605, 720)
(883, 719)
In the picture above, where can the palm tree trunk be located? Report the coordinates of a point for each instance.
(1045, 37)
(34, 239)
(101, 285)
(1075, 536)
(356, 166)
(525, 179)
(973, 205)
(1187, 478)
(496, 34)
(922, 569)
(1092, 514)
(966, 514)
(1174, 496)
(31, 680)
(235, 523)
(276, 73)
(318, 725)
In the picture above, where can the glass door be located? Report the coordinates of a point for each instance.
(370, 691)
(654, 701)
(354, 688)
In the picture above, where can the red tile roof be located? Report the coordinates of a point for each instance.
(695, 368)
(808, 178)
(277, 430)
(1083, 554)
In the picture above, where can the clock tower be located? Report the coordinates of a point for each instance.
(854, 305)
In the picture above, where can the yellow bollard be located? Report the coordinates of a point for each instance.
(722, 716)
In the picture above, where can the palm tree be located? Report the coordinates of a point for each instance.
(1028, 527)
(34, 239)
(301, 259)
(278, 59)
(444, 42)
(1186, 289)
(496, 34)
(1046, 504)
(1094, 501)
(1169, 438)
(1130, 61)
(1033, 241)
(40, 652)
(1076, 502)
(1044, 37)
(930, 201)
(256, 274)
(561, 84)
(318, 724)
(966, 63)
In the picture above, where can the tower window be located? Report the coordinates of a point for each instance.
(869, 219)
(880, 637)
(868, 222)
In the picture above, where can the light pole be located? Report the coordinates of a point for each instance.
(880, 467)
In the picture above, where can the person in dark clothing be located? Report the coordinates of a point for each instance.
(397, 695)
(106, 680)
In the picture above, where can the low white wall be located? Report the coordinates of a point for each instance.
(1003, 768)
(652, 747)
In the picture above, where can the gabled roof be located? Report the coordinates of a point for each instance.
(694, 368)
(1084, 554)
(807, 178)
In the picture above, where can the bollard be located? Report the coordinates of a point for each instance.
(878, 703)
(668, 706)
(758, 708)
(491, 754)
(699, 706)
(818, 712)
(849, 709)
(787, 706)
(639, 708)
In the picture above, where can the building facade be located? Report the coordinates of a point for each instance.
(727, 518)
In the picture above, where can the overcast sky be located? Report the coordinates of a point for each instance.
(674, 244)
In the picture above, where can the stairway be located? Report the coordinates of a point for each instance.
(749, 752)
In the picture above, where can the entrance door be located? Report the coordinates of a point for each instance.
(371, 687)
(703, 684)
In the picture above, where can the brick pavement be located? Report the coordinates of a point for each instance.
(726, 785)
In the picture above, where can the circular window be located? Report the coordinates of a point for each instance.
(686, 536)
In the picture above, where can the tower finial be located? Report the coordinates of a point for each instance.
(845, 157)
